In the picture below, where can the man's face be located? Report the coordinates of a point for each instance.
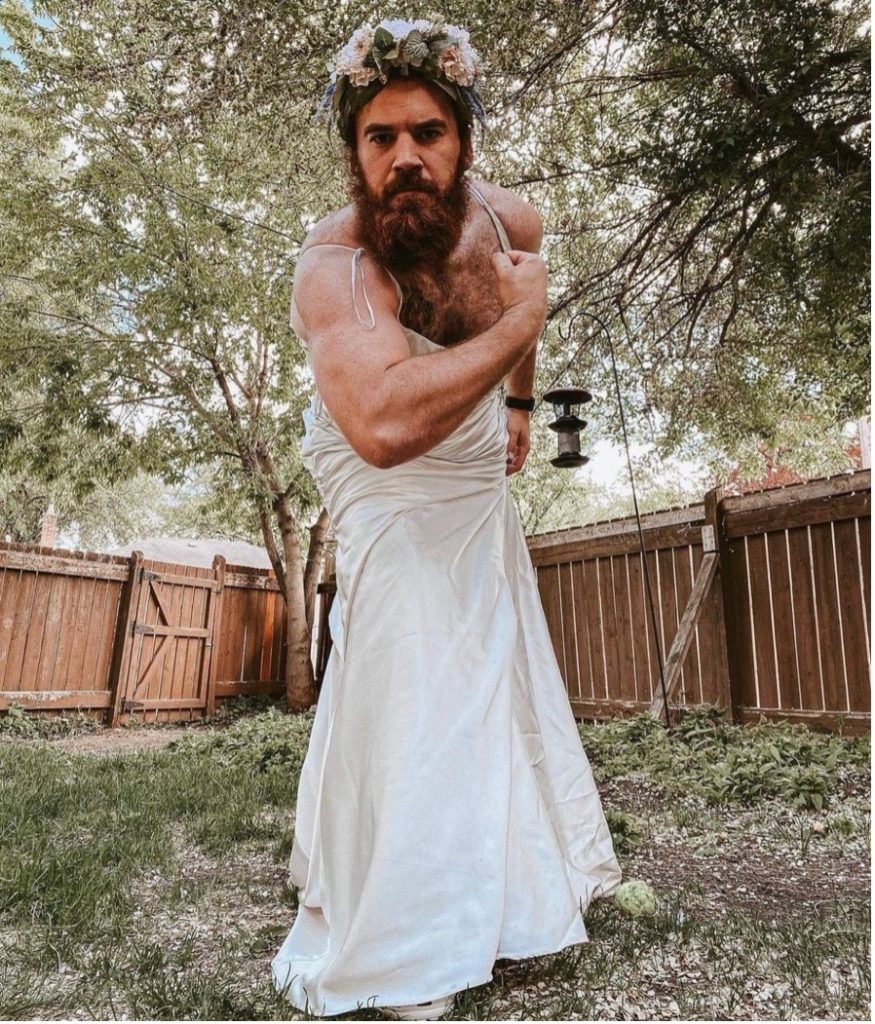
(408, 174)
(407, 136)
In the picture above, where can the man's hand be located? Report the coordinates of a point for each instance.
(518, 440)
(522, 287)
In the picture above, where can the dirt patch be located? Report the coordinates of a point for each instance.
(745, 875)
(119, 741)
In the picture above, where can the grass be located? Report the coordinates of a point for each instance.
(152, 885)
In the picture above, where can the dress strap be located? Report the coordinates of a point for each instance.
(493, 216)
(357, 281)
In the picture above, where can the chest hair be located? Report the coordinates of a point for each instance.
(457, 301)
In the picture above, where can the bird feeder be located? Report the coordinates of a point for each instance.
(566, 404)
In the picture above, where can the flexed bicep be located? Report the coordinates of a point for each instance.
(347, 305)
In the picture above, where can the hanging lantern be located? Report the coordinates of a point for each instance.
(566, 404)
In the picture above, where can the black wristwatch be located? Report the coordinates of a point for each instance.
(519, 403)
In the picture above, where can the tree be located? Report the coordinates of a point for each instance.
(700, 168)
(706, 167)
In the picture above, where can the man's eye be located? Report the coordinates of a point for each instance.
(429, 133)
(380, 140)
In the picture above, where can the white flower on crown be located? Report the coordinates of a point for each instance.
(460, 61)
(350, 60)
(399, 28)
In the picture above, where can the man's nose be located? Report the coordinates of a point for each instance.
(406, 156)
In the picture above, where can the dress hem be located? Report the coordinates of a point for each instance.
(403, 1001)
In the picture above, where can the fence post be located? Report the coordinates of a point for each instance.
(724, 603)
(127, 612)
(214, 624)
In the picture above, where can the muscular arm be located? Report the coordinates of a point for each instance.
(391, 406)
(526, 232)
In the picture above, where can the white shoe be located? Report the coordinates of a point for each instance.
(432, 1009)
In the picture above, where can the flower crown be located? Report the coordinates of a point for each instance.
(427, 47)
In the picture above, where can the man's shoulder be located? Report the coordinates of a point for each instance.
(520, 219)
(336, 228)
(317, 278)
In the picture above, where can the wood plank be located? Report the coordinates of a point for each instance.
(808, 511)
(853, 724)
(581, 622)
(805, 623)
(696, 669)
(789, 687)
(235, 689)
(41, 699)
(46, 669)
(548, 588)
(34, 627)
(569, 631)
(759, 586)
(67, 634)
(624, 681)
(744, 667)
(832, 643)
(174, 631)
(854, 627)
(707, 640)
(608, 612)
(666, 609)
(47, 565)
(650, 601)
(582, 535)
(157, 704)
(171, 575)
(622, 544)
(688, 670)
(123, 638)
(11, 636)
(213, 620)
(864, 553)
(267, 628)
(684, 637)
(237, 580)
(640, 628)
(172, 685)
(591, 573)
(812, 490)
(604, 709)
(109, 616)
(277, 607)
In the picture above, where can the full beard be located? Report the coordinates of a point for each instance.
(413, 224)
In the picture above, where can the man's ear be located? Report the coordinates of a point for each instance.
(467, 154)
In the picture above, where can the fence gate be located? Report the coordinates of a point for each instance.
(165, 659)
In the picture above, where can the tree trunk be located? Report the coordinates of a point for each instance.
(300, 682)
(315, 562)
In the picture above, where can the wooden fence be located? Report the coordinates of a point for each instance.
(134, 636)
(761, 605)
(762, 600)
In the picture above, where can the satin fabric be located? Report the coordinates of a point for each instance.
(447, 813)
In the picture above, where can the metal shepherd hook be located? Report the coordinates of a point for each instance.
(659, 656)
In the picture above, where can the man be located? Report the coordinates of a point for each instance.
(446, 814)
(409, 150)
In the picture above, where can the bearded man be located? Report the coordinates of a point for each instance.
(446, 814)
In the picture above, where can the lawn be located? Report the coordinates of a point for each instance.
(143, 874)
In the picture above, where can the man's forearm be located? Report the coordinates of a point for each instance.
(425, 398)
(520, 382)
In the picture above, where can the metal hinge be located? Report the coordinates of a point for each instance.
(141, 627)
(148, 574)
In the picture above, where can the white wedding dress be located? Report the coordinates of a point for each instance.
(447, 813)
